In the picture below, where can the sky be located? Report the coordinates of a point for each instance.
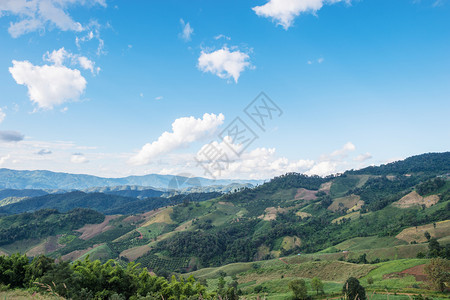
(221, 89)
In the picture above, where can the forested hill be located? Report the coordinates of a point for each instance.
(429, 163)
(289, 214)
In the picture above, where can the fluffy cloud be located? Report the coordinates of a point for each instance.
(10, 136)
(50, 85)
(332, 163)
(88, 64)
(184, 131)
(260, 163)
(4, 159)
(35, 15)
(344, 151)
(363, 157)
(187, 31)
(283, 12)
(78, 158)
(224, 63)
(2, 115)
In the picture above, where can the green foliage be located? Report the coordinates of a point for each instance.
(317, 285)
(93, 280)
(430, 186)
(438, 270)
(298, 287)
(44, 223)
(353, 290)
(430, 163)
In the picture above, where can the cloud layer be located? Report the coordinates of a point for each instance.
(10, 136)
(184, 131)
(224, 63)
(283, 12)
(33, 15)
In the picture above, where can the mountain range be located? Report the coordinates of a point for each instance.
(39, 179)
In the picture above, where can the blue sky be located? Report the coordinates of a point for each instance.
(92, 86)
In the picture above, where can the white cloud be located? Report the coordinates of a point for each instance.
(4, 159)
(222, 36)
(33, 15)
(224, 63)
(2, 115)
(344, 151)
(323, 168)
(260, 163)
(50, 85)
(57, 57)
(320, 60)
(332, 163)
(184, 132)
(88, 64)
(159, 98)
(363, 157)
(187, 31)
(283, 12)
(78, 158)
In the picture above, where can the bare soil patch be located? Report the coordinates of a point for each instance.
(305, 194)
(348, 203)
(325, 187)
(134, 253)
(49, 245)
(91, 230)
(418, 272)
(78, 253)
(413, 199)
(417, 234)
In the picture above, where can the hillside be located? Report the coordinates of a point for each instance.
(291, 214)
(105, 203)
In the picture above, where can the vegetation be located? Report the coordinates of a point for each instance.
(438, 271)
(298, 287)
(45, 223)
(352, 289)
(92, 280)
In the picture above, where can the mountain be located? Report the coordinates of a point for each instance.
(380, 207)
(101, 202)
(15, 179)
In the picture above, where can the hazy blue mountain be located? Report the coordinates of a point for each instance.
(8, 193)
(14, 179)
(127, 191)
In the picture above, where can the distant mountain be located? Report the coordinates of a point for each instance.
(15, 179)
(105, 203)
(9, 193)
(127, 191)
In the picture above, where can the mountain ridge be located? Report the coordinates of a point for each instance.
(43, 179)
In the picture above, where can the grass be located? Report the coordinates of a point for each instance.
(24, 295)
(389, 267)
(102, 253)
(21, 246)
(371, 242)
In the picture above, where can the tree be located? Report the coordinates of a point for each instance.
(438, 273)
(298, 287)
(434, 248)
(317, 285)
(353, 289)
(427, 235)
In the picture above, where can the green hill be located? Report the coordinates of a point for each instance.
(360, 212)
